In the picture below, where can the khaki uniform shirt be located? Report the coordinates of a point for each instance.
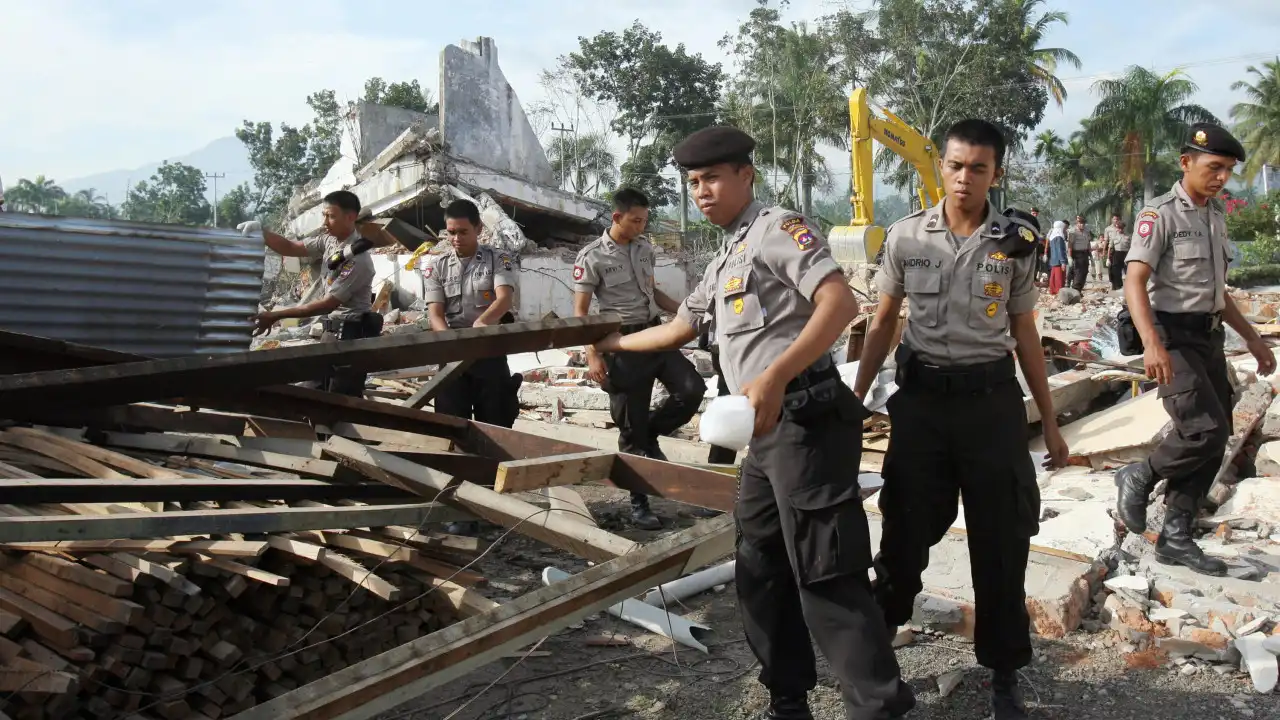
(758, 291)
(1116, 238)
(620, 276)
(1186, 248)
(1078, 240)
(467, 292)
(352, 284)
(960, 300)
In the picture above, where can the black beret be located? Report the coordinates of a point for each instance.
(1020, 233)
(1212, 139)
(712, 146)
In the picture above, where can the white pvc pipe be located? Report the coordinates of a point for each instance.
(650, 618)
(690, 585)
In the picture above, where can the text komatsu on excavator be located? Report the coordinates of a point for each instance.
(858, 243)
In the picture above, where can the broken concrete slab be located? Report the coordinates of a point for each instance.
(1267, 462)
(676, 450)
(1254, 498)
(1120, 433)
(1262, 666)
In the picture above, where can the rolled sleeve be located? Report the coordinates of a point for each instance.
(889, 280)
(505, 270)
(1149, 249)
(798, 255)
(432, 289)
(1025, 294)
(355, 277)
(315, 247)
(693, 310)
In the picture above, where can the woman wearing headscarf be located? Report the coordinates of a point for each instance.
(1057, 257)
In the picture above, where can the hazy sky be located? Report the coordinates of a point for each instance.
(97, 86)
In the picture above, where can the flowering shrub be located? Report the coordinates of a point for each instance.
(1255, 228)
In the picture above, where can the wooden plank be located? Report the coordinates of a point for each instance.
(116, 460)
(431, 388)
(236, 568)
(176, 377)
(203, 522)
(566, 502)
(360, 575)
(303, 550)
(36, 679)
(78, 461)
(369, 433)
(228, 548)
(118, 609)
(463, 601)
(13, 472)
(77, 490)
(582, 540)
(47, 624)
(210, 448)
(401, 554)
(374, 686)
(77, 573)
(583, 467)
(159, 572)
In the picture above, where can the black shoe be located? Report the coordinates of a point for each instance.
(1176, 546)
(902, 703)
(469, 528)
(642, 516)
(788, 708)
(704, 513)
(1006, 697)
(1135, 481)
(655, 452)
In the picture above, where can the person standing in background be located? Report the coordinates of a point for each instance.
(1098, 258)
(1078, 240)
(1118, 242)
(1057, 256)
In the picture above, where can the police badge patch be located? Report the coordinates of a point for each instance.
(578, 272)
(505, 259)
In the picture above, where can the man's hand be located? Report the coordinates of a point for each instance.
(611, 343)
(597, 372)
(765, 394)
(1056, 446)
(1158, 364)
(1262, 353)
(263, 322)
(250, 228)
(480, 322)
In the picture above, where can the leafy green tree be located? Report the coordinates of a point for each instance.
(1048, 145)
(234, 207)
(586, 160)
(661, 94)
(408, 95)
(1143, 114)
(41, 195)
(1258, 118)
(175, 194)
(87, 203)
(1042, 62)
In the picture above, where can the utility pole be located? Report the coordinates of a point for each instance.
(215, 177)
(564, 157)
(1266, 180)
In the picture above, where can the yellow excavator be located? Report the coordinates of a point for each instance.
(858, 243)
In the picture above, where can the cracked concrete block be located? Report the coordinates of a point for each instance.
(1267, 462)
(1270, 429)
(1136, 584)
(1261, 663)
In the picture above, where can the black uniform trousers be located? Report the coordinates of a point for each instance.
(487, 392)
(1079, 268)
(802, 558)
(1199, 400)
(719, 455)
(1116, 268)
(344, 379)
(630, 388)
(959, 439)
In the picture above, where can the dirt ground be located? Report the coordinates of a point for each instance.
(651, 679)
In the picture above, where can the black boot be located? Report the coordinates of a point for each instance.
(902, 703)
(641, 515)
(1176, 546)
(1006, 697)
(1135, 481)
(788, 707)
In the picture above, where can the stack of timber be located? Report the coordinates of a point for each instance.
(193, 538)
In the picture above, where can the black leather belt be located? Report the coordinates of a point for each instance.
(637, 327)
(976, 379)
(1194, 322)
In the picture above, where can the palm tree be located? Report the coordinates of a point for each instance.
(1145, 114)
(1258, 120)
(1048, 145)
(41, 195)
(585, 160)
(1042, 62)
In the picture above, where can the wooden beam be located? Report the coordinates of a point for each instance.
(431, 388)
(81, 462)
(385, 681)
(178, 377)
(203, 522)
(116, 460)
(369, 433)
(236, 568)
(582, 540)
(534, 473)
(77, 490)
(210, 448)
(227, 548)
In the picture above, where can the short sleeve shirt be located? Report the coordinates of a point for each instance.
(1078, 240)
(959, 301)
(621, 277)
(758, 291)
(467, 291)
(1116, 238)
(1187, 250)
(352, 282)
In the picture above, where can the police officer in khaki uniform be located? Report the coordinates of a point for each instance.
(1078, 242)
(778, 301)
(1176, 295)
(959, 424)
(1118, 242)
(348, 282)
(473, 285)
(618, 270)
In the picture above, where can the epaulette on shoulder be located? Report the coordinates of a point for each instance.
(913, 216)
(1164, 199)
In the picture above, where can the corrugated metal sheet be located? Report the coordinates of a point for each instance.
(150, 289)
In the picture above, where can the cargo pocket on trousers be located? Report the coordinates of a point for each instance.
(1183, 398)
(1027, 499)
(831, 538)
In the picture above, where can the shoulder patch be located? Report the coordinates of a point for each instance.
(1149, 213)
(578, 272)
(427, 271)
(506, 261)
(799, 232)
(1146, 225)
